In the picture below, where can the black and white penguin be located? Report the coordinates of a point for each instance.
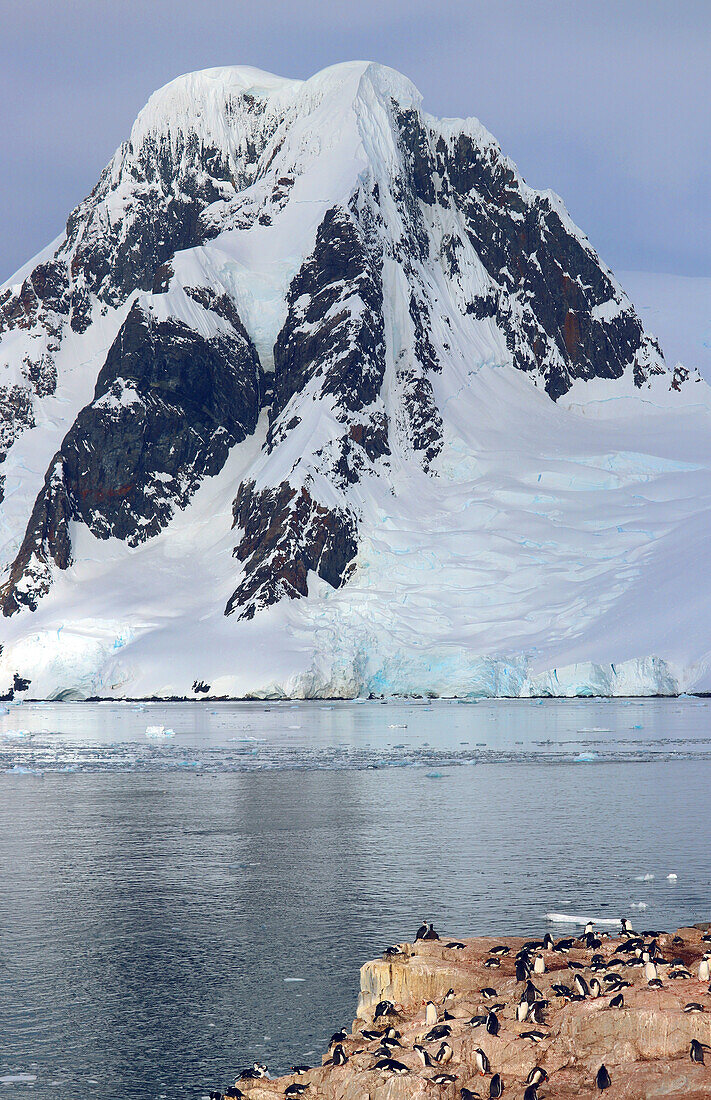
(693, 1006)
(444, 1078)
(602, 1078)
(539, 965)
(533, 1036)
(423, 1055)
(581, 985)
(522, 1011)
(384, 1008)
(704, 969)
(496, 1086)
(296, 1089)
(492, 1024)
(339, 1037)
(530, 1092)
(444, 1054)
(430, 934)
(536, 1075)
(537, 1012)
(298, 1070)
(233, 1093)
(421, 931)
(339, 1056)
(493, 963)
(595, 988)
(696, 1051)
(617, 1001)
(482, 1062)
(547, 942)
(626, 927)
(488, 991)
(589, 928)
(468, 1094)
(441, 1031)
(430, 1014)
(501, 949)
(523, 969)
(531, 993)
(390, 1065)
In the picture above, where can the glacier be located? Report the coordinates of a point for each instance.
(517, 504)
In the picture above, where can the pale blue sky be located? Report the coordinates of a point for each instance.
(606, 101)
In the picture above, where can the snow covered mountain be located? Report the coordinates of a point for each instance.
(315, 396)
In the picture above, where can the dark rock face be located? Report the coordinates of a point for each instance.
(285, 534)
(167, 408)
(546, 285)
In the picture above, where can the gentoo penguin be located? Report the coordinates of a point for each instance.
(444, 1054)
(617, 1002)
(430, 1014)
(581, 985)
(602, 1079)
(449, 995)
(704, 969)
(696, 1051)
(539, 965)
(547, 942)
(523, 969)
(298, 1070)
(626, 927)
(492, 1024)
(531, 993)
(482, 1062)
(444, 1078)
(430, 934)
(421, 931)
(467, 1094)
(441, 1031)
(536, 1075)
(488, 991)
(693, 1006)
(295, 1090)
(339, 1037)
(233, 1093)
(496, 1086)
(536, 1012)
(530, 1092)
(595, 988)
(502, 949)
(339, 1057)
(522, 1011)
(656, 983)
(589, 928)
(456, 945)
(384, 1008)
(534, 1036)
(423, 1055)
(493, 963)
(650, 970)
(389, 1040)
(390, 1065)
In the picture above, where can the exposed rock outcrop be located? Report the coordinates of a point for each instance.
(644, 1045)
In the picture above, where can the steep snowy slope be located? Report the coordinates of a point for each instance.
(316, 396)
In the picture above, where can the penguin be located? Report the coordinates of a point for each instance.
(482, 1062)
(522, 1010)
(455, 945)
(444, 1054)
(444, 1078)
(298, 1070)
(530, 1092)
(390, 1040)
(233, 1093)
(430, 934)
(617, 1002)
(394, 950)
(693, 1006)
(536, 1075)
(696, 1051)
(547, 942)
(595, 988)
(656, 983)
(581, 985)
(339, 1057)
(650, 970)
(390, 1065)
(441, 1031)
(522, 970)
(339, 1037)
(539, 965)
(295, 1090)
(492, 963)
(626, 927)
(502, 949)
(423, 1055)
(589, 927)
(369, 1034)
(216, 1095)
(467, 1094)
(534, 1036)
(602, 1078)
(430, 1014)
(488, 991)
(384, 1008)
(531, 993)
(704, 969)
(496, 1086)
(421, 931)
(537, 1011)
(477, 1021)
(492, 1024)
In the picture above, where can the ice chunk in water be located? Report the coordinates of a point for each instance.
(159, 731)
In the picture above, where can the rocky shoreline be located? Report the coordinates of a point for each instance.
(627, 1014)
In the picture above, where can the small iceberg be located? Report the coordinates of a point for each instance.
(638, 905)
(585, 758)
(644, 878)
(672, 877)
(19, 769)
(566, 918)
(159, 731)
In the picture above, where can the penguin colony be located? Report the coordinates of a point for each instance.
(444, 1047)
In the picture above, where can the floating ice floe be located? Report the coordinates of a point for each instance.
(159, 731)
(638, 905)
(294, 979)
(672, 877)
(566, 918)
(18, 1079)
(20, 769)
(644, 878)
(585, 758)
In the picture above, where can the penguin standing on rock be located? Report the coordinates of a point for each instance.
(496, 1087)
(430, 1013)
(539, 965)
(696, 1051)
(423, 1055)
(602, 1079)
(444, 1054)
(482, 1062)
(704, 969)
(421, 931)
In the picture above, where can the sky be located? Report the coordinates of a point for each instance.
(607, 102)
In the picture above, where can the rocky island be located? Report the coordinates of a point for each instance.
(628, 1014)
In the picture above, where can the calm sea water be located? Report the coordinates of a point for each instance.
(173, 907)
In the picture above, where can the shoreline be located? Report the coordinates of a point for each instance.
(568, 1030)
